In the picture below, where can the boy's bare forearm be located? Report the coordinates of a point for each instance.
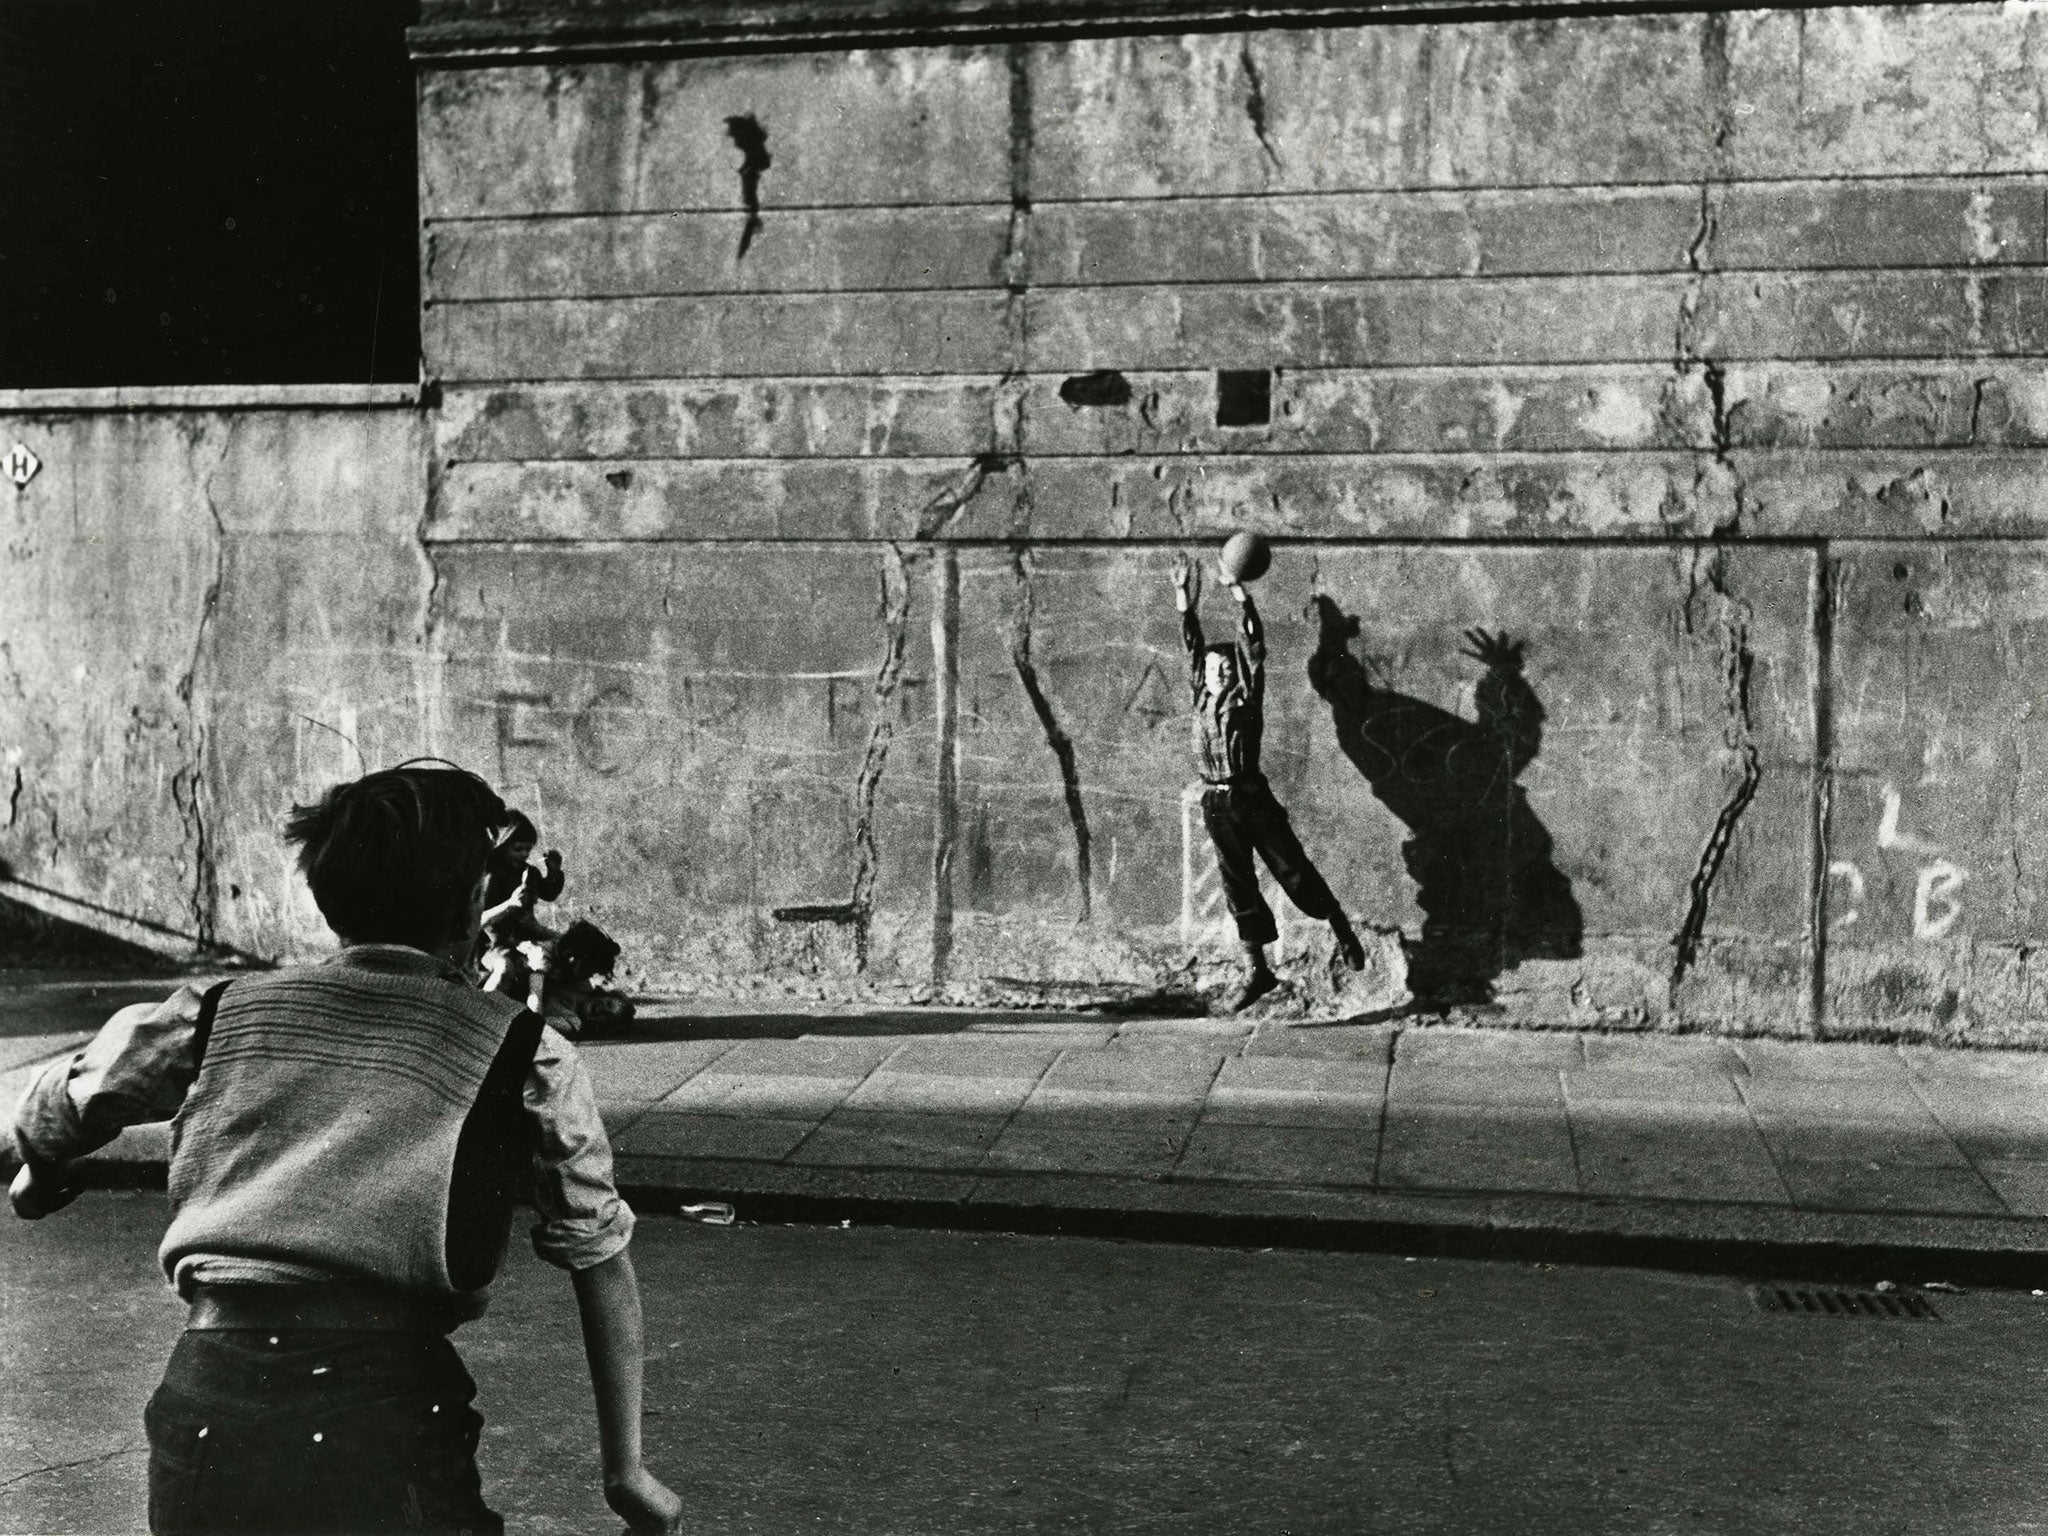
(608, 1297)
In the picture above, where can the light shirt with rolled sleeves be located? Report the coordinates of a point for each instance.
(139, 1067)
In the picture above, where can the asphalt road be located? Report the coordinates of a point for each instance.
(882, 1381)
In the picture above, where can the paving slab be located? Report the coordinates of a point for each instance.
(1669, 1151)
(1832, 1062)
(783, 1096)
(1167, 1086)
(641, 1072)
(2021, 1183)
(1499, 1047)
(664, 1133)
(1863, 1144)
(811, 1056)
(949, 1056)
(1333, 1042)
(1666, 1052)
(864, 1139)
(1287, 1091)
(1834, 1100)
(1468, 1082)
(1927, 1061)
(1052, 1032)
(1282, 1154)
(1860, 1187)
(940, 1094)
(1057, 1144)
(1650, 1085)
(1986, 1106)
(1505, 1146)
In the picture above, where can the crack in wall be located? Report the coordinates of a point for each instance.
(188, 784)
(1977, 388)
(1715, 72)
(937, 514)
(751, 140)
(1824, 600)
(895, 614)
(1061, 744)
(1255, 103)
(1010, 403)
(946, 710)
(1738, 664)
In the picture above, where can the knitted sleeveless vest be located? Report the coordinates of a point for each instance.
(363, 1122)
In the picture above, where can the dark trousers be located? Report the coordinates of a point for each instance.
(315, 1433)
(1244, 819)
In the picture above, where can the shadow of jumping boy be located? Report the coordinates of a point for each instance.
(1481, 860)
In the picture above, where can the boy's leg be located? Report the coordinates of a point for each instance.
(1274, 836)
(1234, 864)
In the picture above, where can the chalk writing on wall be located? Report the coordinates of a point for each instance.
(1936, 904)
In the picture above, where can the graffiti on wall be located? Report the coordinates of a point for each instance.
(1936, 903)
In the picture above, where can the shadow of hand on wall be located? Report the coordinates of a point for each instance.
(1490, 896)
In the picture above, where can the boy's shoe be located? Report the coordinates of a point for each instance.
(1256, 986)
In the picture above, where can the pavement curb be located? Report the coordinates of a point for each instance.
(1750, 1241)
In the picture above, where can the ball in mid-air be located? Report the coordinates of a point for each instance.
(1245, 557)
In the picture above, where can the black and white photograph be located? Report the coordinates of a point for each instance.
(962, 767)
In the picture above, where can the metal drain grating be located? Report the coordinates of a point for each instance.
(1817, 1301)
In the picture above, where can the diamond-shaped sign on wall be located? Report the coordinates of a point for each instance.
(22, 465)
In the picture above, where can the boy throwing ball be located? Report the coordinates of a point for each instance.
(349, 1140)
(1238, 808)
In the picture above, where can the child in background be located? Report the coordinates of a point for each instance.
(348, 1143)
(514, 947)
(1227, 685)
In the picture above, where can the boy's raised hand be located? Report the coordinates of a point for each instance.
(1187, 583)
(642, 1500)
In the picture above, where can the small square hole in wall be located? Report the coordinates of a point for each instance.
(1244, 397)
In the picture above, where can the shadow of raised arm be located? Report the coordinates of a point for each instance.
(1503, 700)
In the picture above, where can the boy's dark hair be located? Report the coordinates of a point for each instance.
(393, 857)
(517, 829)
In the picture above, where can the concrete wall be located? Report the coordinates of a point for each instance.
(776, 564)
(206, 596)
(1696, 353)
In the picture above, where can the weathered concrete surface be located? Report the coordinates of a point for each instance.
(1935, 879)
(209, 613)
(714, 731)
(1533, 290)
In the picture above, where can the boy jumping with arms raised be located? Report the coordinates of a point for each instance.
(348, 1143)
(1229, 687)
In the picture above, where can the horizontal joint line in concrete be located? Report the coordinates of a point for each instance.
(1482, 366)
(951, 461)
(462, 44)
(1677, 269)
(1659, 540)
(211, 397)
(1647, 368)
(1504, 189)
